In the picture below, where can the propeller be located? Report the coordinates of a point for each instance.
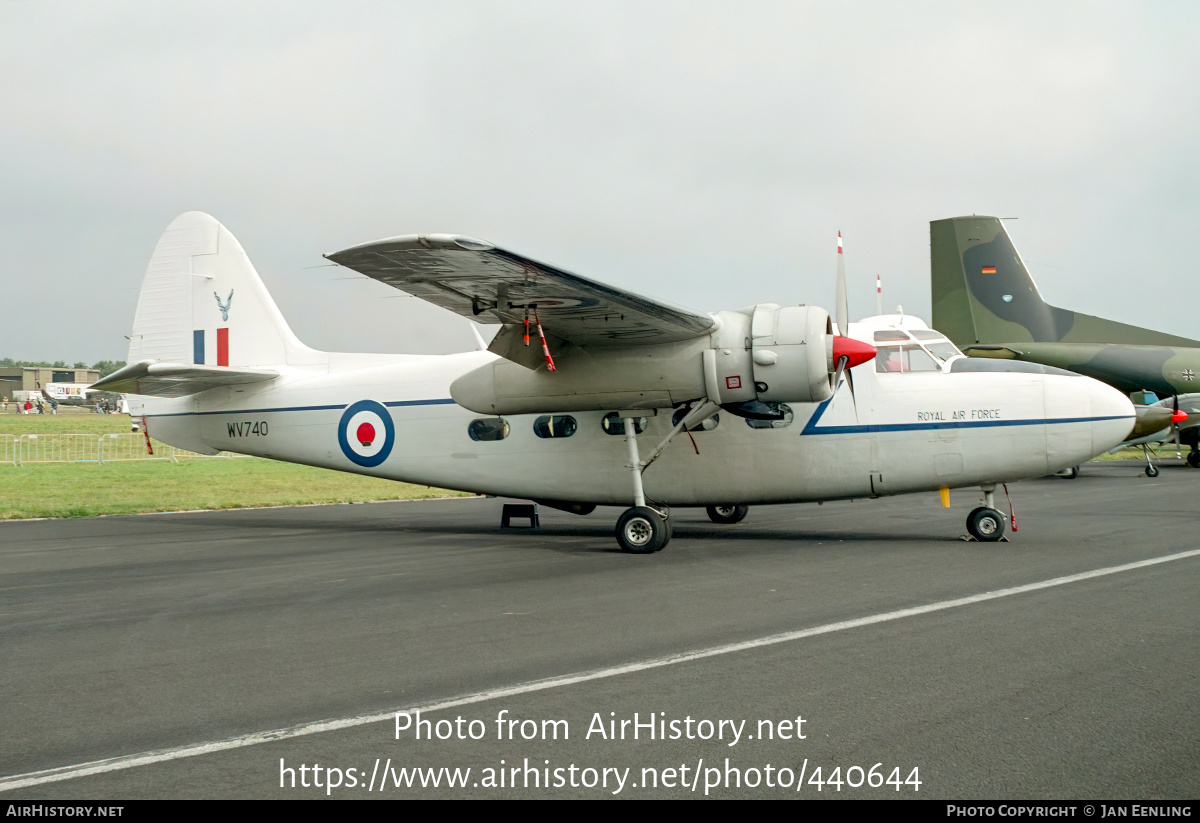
(1177, 416)
(847, 352)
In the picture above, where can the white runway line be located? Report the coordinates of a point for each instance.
(146, 758)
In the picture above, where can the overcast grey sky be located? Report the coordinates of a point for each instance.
(700, 152)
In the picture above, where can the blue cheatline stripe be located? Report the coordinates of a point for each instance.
(441, 401)
(812, 428)
(445, 401)
(980, 424)
(198, 347)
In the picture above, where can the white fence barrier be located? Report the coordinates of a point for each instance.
(19, 450)
(114, 447)
(8, 449)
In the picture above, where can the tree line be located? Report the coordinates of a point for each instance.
(106, 367)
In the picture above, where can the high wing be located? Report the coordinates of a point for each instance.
(490, 285)
(159, 379)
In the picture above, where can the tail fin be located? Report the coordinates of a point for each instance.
(982, 293)
(202, 302)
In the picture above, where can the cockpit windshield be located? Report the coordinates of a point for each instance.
(932, 349)
(892, 359)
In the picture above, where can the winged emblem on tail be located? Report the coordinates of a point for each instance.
(224, 307)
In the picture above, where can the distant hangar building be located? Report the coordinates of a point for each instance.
(35, 378)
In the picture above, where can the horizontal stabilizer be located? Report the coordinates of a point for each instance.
(159, 379)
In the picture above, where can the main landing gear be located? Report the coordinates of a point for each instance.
(985, 523)
(727, 513)
(646, 529)
(642, 530)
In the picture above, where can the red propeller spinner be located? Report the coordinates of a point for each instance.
(855, 351)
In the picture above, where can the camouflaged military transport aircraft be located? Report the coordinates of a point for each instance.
(985, 301)
(763, 396)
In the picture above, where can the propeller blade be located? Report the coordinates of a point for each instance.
(853, 398)
(837, 374)
(843, 310)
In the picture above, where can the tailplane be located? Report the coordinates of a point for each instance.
(982, 293)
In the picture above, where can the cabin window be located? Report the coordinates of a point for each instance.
(703, 426)
(890, 334)
(488, 428)
(614, 424)
(892, 359)
(784, 422)
(556, 425)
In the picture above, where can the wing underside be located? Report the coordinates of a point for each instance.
(490, 285)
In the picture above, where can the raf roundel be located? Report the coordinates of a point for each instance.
(366, 433)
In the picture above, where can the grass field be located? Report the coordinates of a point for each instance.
(78, 423)
(90, 489)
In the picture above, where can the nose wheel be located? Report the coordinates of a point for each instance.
(985, 525)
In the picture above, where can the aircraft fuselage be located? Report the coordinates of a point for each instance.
(896, 433)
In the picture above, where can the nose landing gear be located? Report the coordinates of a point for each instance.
(985, 523)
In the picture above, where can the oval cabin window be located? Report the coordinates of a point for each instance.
(614, 424)
(489, 428)
(556, 425)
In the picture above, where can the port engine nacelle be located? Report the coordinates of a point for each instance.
(766, 353)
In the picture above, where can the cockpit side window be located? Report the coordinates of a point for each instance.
(943, 349)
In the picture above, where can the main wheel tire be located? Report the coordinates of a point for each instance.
(1193, 459)
(670, 524)
(641, 530)
(727, 513)
(985, 525)
(1069, 474)
(1152, 470)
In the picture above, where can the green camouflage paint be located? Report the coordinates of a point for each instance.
(982, 294)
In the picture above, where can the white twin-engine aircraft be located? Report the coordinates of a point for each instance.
(560, 406)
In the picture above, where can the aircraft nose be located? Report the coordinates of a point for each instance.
(1112, 416)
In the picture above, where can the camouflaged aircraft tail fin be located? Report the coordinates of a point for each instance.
(982, 293)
